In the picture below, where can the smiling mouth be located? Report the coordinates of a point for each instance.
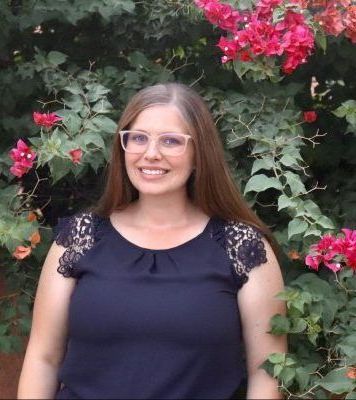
(157, 171)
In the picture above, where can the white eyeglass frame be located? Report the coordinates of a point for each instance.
(186, 137)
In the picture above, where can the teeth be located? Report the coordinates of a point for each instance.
(153, 171)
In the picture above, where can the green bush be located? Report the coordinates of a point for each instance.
(82, 60)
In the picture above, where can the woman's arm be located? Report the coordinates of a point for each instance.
(257, 305)
(47, 343)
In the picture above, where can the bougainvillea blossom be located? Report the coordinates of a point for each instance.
(331, 19)
(252, 34)
(334, 252)
(23, 158)
(222, 15)
(310, 116)
(22, 252)
(350, 23)
(76, 155)
(46, 119)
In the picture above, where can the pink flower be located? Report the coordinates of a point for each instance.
(222, 15)
(47, 120)
(331, 19)
(333, 252)
(18, 170)
(229, 48)
(244, 56)
(350, 21)
(76, 155)
(309, 116)
(23, 158)
(313, 261)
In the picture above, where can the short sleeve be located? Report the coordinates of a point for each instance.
(245, 248)
(76, 234)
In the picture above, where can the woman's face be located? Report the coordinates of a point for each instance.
(152, 172)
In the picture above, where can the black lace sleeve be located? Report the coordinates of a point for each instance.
(244, 247)
(76, 234)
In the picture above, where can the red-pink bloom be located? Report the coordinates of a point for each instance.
(244, 56)
(313, 261)
(229, 47)
(309, 116)
(331, 19)
(45, 119)
(347, 247)
(350, 23)
(222, 15)
(265, 8)
(76, 155)
(325, 244)
(333, 252)
(18, 169)
(23, 158)
(255, 33)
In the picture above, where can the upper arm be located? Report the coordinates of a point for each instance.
(50, 315)
(257, 305)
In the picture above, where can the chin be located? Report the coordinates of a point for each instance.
(158, 190)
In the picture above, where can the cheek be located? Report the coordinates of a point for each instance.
(130, 160)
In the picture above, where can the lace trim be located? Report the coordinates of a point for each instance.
(243, 244)
(77, 234)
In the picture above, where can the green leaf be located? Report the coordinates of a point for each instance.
(303, 375)
(337, 382)
(312, 209)
(262, 163)
(95, 138)
(312, 231)
(261, 182)
(325, 222)
(96, 91)
(277, 358)
(279, 324)
(296, 185)
(351, 396)
(296, 226)
(104, 124)
(287, 375)
(59, 167)
(289, 161)
(277, 369)
(285, 202)
(299, 325)
(320, 39)
(56, 58)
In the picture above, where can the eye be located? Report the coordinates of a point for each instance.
(139, 138)
(172, 140)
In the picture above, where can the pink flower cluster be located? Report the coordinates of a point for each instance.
(46, 120)
(23, 158)
(253, 34)
(334, 252)
(336, 16)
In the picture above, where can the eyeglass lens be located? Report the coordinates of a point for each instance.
(168, 143)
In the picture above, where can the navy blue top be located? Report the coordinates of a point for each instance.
(154, 324)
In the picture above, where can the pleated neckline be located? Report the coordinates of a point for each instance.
(117, 234)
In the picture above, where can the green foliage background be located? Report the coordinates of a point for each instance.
(83, 59)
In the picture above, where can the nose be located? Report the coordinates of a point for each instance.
(152, 152)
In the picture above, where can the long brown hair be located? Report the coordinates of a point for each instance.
(211, 187)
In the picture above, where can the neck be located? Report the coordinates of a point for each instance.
(163, 211)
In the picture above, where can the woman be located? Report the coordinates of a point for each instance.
(152, 284)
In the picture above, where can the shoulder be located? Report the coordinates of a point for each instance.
(245, 246)
(75, 228)
(77, 234)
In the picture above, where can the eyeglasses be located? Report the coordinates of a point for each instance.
(168, 144)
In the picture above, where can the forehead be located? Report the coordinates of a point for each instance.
(160, 118)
